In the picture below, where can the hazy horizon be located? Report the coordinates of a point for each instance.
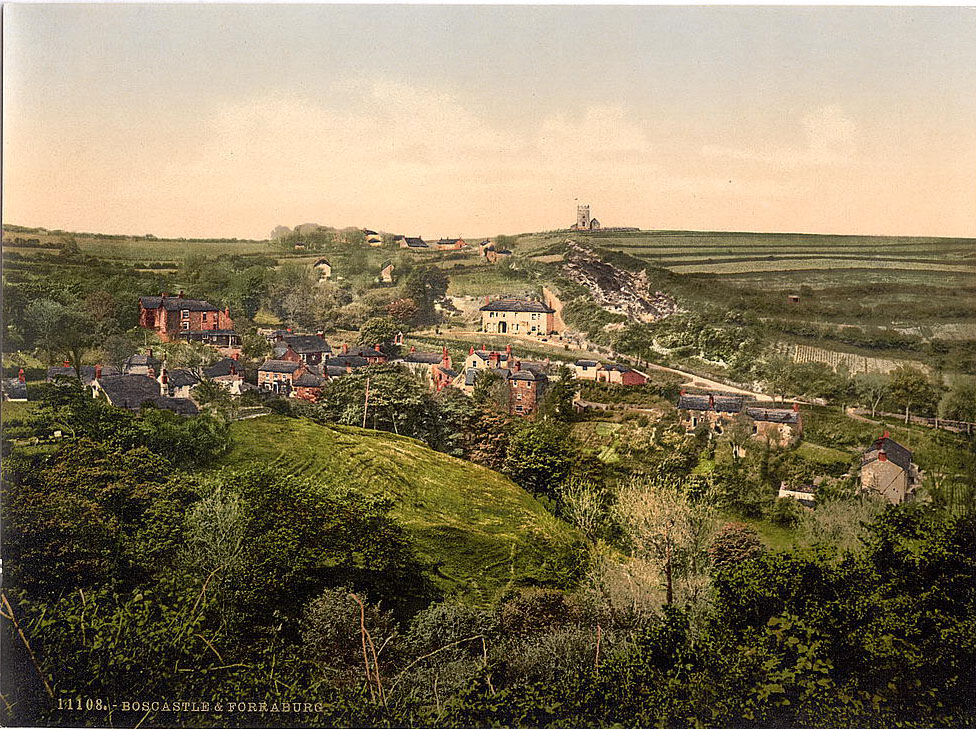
(225, 121)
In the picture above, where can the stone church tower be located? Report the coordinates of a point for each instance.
(582, 217)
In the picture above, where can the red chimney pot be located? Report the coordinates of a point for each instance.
(20, 375)
(98, 372)
(882, 456)
(886, 434)
(796, 407)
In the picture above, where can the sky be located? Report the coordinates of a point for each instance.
(223, 120)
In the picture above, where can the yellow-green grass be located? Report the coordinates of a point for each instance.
(15, 410)
(822, 454)
(479, 531)
(143, 249)
(818, 264)
(487, 281)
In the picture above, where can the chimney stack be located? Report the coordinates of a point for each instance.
(236, 356)
(471, 350)
(149, 353)
(345, 349)
(518, 366)
(98, 372)
(508, 348)
(320, 334)
(180, 295)
(376, 347)
(796, 407)
(66, 363)
(412, 349)
(20, 375)
(886, 434)
(882, 456)
(711, 401)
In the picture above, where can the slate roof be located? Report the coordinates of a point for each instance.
(586, 363)
(279, 365)
(14, 389)
(308, 343)
(774, 415)
(175, 303)
(723, 403)
(364, 352)
(222, 368)
(518, 305)
(614, 367)
(342, 360)
(367, 231)
(416, 243)
(87, 372)
(129, 391)
(897, 453)
(143, 360)
(182, 378)
(309, 380)
(335, 370)
(449, 372)
(179, 405)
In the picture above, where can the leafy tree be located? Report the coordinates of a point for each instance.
(380, 330)
(910, 387)
(116, 351)
(426, 285)
(959, 403)
(539, 456)
(871, 388)
(487, 436)
(402, 311)
(557, 401)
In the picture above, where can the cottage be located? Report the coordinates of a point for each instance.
(177, 383)
(779, 426)
(386, 272)
(324, 268)
(887, 470)
(372, 238)
(170, 315)
(716, 410)
(451, 244)
(372, 355)
(585, 369)
(517, 316)
(308, 386)
(306, 348)
(484, 358)
(279, 375)
(413, 243)
(140, 364)
(526, 382)
(434, 367)
(617, 374)
(493, 253)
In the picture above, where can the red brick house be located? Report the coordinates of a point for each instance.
(173, 316)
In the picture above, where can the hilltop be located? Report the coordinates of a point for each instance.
(479, 531)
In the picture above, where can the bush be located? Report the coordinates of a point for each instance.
(735, 542)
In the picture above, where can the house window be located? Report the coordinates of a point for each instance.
(694, 422)
(184, 313)
(519, 396)
(185, 325)
(204, 316)
(755, 428)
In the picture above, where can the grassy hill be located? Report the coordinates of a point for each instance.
(478, 529)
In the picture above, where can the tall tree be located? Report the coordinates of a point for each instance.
(910, 387)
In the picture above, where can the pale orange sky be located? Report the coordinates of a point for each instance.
(230, 120)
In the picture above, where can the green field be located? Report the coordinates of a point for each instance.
(479, 531)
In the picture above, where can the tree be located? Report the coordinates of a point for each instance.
(402, 311)
(734, 543)
(557, 402)
(959, 403)
(381, 330)
(871, 388)
(426, 285)
(910, 387)
(539, 456)
(116, 351)
(778, 375)
(661, 524)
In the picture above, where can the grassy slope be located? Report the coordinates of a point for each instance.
(481, 531)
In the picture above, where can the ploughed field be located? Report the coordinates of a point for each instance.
(479, 531)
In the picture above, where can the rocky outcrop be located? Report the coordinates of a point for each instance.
(616, 290)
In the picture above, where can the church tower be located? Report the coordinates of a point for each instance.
(582, 217)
